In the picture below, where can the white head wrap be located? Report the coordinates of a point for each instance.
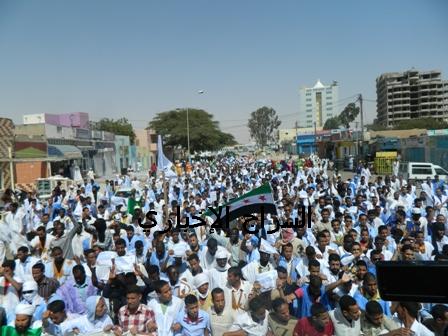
(30, 285)
(221, 254)
(200, 279)
(24, 309)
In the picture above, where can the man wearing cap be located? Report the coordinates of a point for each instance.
(30, 296)
(22, 324)
(251, 270)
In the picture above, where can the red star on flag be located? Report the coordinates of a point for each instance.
(262, 198)
(246, 201)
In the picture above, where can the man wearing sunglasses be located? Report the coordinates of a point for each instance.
(31, 296)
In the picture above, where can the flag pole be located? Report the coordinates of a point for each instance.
(162, 165)
(165, 196)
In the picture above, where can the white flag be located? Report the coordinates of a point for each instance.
(163, 164)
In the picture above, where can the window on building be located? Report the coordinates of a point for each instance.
(329, 109)
(308, 99)
(329, 103)
(309, 110)
(309, 105)
(309, 115)
(308, 93)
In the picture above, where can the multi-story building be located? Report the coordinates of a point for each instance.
(411, 94)
(71, 142)
(317, 104)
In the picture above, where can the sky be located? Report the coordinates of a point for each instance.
(135, 59)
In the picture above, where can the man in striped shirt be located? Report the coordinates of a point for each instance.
(46, 286)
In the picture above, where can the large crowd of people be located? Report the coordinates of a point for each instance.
(82, 262)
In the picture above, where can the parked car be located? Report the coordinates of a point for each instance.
(420, 171)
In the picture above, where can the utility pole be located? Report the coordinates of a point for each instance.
(11, 168)
(295, 138)
(188, 137)
(362, 124)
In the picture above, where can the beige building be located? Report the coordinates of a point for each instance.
(288, 135)
(411, 94)
(146, 144)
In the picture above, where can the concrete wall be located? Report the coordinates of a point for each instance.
(58, 132)
(31, 131)
(28, 172)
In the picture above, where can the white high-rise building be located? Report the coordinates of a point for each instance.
(317, 104)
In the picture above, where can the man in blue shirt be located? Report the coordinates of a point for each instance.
(192, 321)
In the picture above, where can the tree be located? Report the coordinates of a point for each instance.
(423, 123)
(262, 124)
(332, 123)
(348, 114)
(117, 127)
(204, 131)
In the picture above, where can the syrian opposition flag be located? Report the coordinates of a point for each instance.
(247, 204)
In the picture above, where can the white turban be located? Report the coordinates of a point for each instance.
(200, 279)
(221, 254)
(24, 309)
(30, 285)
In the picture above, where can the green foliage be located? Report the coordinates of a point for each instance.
(423, 123)
(118, 127)
(348, 114)
(332, 123)
(262, 124)
(204, 131)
